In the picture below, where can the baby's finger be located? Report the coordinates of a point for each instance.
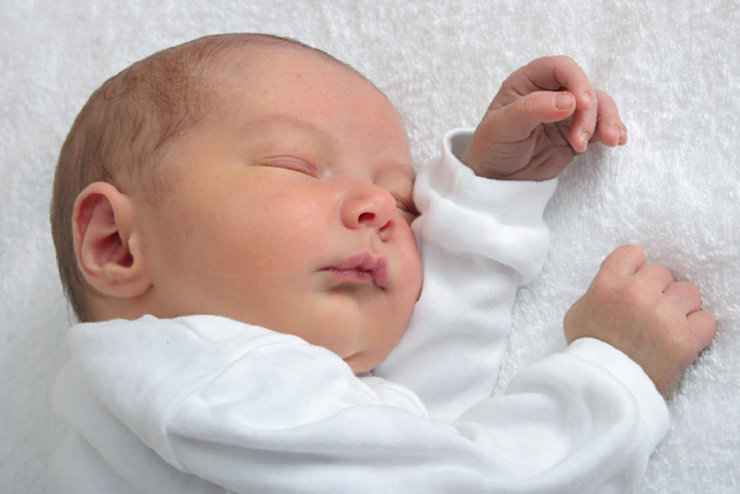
(623, 261)
(610, 129)
(703, 326)
(657, 277)
(517, 120)
(684, 296)
(583, 127)
(561, 72)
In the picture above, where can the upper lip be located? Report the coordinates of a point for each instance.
(365, 262)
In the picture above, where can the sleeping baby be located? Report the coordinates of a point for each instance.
(272, 300)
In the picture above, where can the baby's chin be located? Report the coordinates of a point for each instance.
(367, 360)
(364, 362)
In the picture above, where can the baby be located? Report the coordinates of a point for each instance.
(236, 228)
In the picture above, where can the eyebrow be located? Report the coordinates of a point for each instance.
(285, 118)
(303, 124)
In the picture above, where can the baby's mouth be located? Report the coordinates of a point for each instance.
(363, 267)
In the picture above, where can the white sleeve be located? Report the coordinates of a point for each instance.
(480, 240)
(249, 410)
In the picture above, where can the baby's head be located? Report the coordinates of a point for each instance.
(245, 176)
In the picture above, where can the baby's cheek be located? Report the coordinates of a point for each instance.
(416, 269)
(413, 278)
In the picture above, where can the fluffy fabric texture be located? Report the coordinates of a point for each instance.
(673, 68)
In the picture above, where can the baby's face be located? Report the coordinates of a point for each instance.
(291, 209)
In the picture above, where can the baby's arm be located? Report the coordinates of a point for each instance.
(203, 403)
(641, 310)
(544, 113)
(481, 239)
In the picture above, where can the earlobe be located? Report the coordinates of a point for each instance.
(107, 242)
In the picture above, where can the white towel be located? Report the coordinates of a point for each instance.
(673, 68)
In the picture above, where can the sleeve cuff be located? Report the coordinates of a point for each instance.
(651, 404)
(453, 179)
(507, 215)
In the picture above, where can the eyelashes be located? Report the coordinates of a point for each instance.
(406, 207)
(293, 164)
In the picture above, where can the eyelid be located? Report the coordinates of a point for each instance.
(406, 207)
(292, 163)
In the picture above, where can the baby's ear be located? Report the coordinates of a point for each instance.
(107, 241)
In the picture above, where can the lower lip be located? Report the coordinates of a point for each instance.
(351, 275)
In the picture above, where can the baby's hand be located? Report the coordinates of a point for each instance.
(639, 309)
(544, 114)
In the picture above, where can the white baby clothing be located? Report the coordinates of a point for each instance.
(209, 405)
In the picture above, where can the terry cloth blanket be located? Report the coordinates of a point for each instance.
(673, 68)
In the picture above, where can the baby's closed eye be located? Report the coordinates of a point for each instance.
(292, 163)
(406, 209)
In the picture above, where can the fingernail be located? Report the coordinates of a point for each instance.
(563, 101)
(616, 133)
(584, 138)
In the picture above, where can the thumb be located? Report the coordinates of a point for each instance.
(517, 120)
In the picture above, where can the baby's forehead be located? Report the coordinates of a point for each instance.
(237, 91)
(249, 62)
(253, 75)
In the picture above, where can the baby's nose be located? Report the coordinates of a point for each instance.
(370, 206)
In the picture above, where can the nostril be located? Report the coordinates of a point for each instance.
(387, 230)
(366, 218)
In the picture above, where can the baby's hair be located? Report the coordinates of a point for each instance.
(121, 132)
